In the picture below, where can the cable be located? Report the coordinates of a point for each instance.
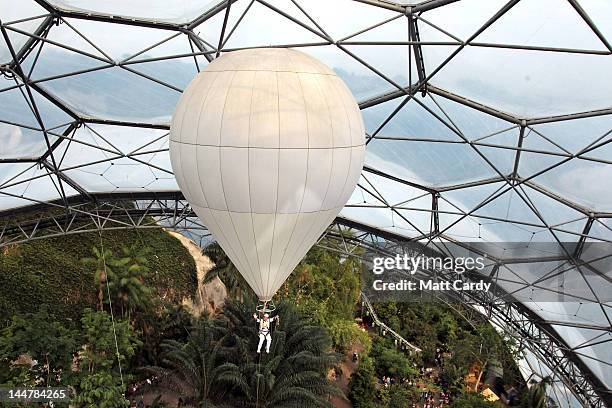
(110, 305)
(258, 377)
(258, 362)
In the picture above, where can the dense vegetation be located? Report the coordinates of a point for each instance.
(436, 326)
(129, 329)
(104, 321)
(324, 287)
(452, 347)
(216, 365)
(121, 322)
(51, 271)
(210, 363)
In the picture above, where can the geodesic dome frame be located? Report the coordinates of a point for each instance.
(476, 131)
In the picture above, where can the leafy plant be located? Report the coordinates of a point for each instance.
(102, 261)
(400, 396)
(49, 343)
(217, 364)
(362, 385)
(106, 348)
(391, 362)
(50, 271)
(325, 286)
(472, 400)
(294, 374)
(196, 369)
(124, 277)
(535, 397)
(101, 390)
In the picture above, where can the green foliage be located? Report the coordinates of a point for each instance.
(126, 273)
(50, 271)
(391, 362)
(196, 368)
(122, 278)
(171, 322)
(54, 345)
(480, 347)
(452, 377)
(399, 396)
(362, 385)
(326, 287)
(344, 333)
(45, 340)
(295, 371)
(211, 361)
(434, 326)
(216, 363)
(472, 400)
(101, 390)
(102, 262)
(535, 397)
(429, 325)
(129, 289)
(105, 347)
(99, 336)
(388, 312)
(325, 278)
(236, 285)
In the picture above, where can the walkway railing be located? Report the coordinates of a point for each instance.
(399, 339)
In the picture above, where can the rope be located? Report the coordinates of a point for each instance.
(258, 376)
(258, 360)
(110, 305)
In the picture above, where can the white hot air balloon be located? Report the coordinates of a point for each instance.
(267, 146)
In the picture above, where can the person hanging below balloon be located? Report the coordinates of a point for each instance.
(264, 330)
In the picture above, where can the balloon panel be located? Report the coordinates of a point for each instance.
(266, 247)
(253, 180)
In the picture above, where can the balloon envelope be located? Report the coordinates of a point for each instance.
(267, 146)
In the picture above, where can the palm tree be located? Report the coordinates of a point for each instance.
(102, 261)
(124, 277)
(271, 384)
(137, 255)
(294, 374)
(536, 397)
(196, 370)
(452, 378)
(173, 322)
(218, 363)
(129, 290)
(239, 330)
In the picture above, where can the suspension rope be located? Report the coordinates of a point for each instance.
(110, 305)
(258, 377)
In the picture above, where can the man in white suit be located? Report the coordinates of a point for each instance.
(264, 330)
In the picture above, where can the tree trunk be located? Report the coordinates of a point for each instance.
(101, 298)
(48, 369)
(482, 370)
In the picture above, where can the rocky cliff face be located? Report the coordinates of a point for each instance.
(210, 296)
